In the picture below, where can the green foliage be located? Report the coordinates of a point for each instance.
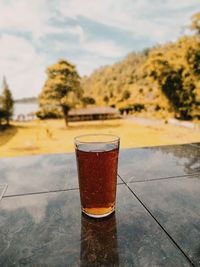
(126, 95)
(62, 88)
(163, 79)
(87, 100)
(107, 84)
(3, 116)
(52, 113)
(106, 99)
(7, 103)
(196, 23)
(175, 69)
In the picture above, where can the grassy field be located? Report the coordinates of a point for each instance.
(51, 136)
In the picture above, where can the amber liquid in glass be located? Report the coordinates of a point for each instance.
(97, 171)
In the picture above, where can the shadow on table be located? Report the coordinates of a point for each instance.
(99, 242)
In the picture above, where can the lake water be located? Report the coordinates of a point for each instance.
(24, 109)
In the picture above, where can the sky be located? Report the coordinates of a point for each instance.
(89, 33)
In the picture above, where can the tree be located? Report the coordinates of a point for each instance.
(3, 115)
(175, 69)
(106, 99)
(126, 95)
(195, 25)
(87, 100)
(7, 102)
(62, 87)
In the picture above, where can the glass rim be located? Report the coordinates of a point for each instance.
(77, 138)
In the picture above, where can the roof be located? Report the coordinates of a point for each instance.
(95, 110)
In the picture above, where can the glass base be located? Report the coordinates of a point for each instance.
(99, 215)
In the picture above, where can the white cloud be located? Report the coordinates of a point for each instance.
(86, 66)
(104, 48)
(23, 67)
(183, 3)
(133, 16)
(107, 48)
(78, 31)
(110, 12)
(26, 16)
(152, 20)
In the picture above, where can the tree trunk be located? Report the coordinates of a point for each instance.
(66, 120)
(65, 110)
(7, 121)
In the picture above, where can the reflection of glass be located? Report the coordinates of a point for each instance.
(97, 158)
(99, 242)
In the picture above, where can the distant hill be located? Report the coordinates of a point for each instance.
(27, 100)
(123, 85)
(162, 81)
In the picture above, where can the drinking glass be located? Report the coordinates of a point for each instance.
(97, 162)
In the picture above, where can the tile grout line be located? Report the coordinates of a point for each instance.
(151, 214)
(41, 192)
(4, 190)
(163, 178)
(120, 178)
(45, 192)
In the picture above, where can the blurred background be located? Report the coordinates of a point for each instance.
(131, 68)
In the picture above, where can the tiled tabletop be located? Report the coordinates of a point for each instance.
(39, 174)
(156, 223)
(3, 188)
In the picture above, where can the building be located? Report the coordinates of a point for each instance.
(96, 113)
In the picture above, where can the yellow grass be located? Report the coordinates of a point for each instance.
(51, 136)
